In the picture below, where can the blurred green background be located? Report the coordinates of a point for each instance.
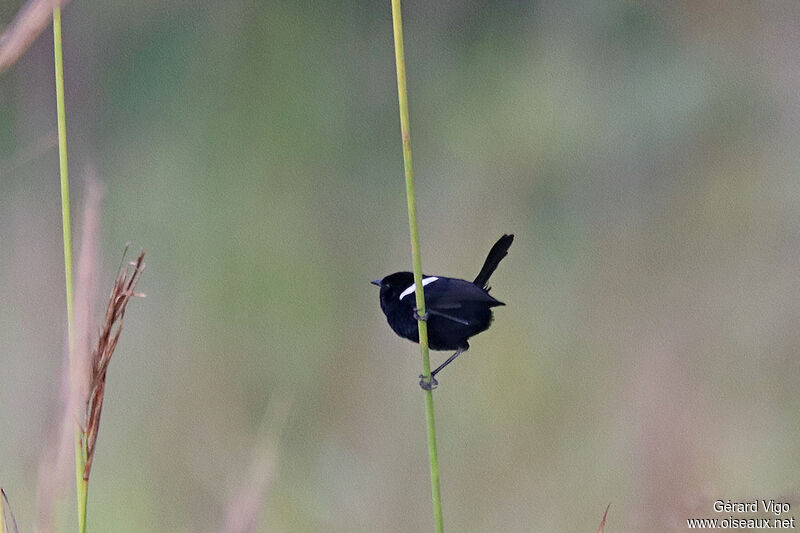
(644, 154)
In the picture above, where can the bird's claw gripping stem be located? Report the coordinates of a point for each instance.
(427, 385)
(417, 316)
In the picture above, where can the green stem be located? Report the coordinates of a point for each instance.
(402, 93)
(82, 485)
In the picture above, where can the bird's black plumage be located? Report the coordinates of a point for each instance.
(456, 309)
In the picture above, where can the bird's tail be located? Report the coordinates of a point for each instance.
(496, 254)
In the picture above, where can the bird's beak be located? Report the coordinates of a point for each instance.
(376, 282)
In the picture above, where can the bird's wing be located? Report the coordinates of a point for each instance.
(450, 293)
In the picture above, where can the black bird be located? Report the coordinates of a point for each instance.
(456, 309)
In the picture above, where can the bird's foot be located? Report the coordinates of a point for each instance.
(418, 316)
(427, 385)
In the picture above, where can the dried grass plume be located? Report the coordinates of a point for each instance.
(121, 294)
(7, 520)
(603, 522)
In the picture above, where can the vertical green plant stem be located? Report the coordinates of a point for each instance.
(82, 485)
(402, 93)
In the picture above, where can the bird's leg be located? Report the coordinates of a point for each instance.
(430, 312)
(449, 360)
(430, 385)
(449, 317)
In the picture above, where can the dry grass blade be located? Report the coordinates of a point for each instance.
(34, 17)
(246, 503)
(121, 294)
(603, 522)
(57, 453)
(5, 508)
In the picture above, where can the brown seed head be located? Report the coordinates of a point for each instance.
(121, 293)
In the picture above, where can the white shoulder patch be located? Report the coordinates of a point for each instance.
(413, 287)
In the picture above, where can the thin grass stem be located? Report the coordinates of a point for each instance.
(402, 93)
(82, 485)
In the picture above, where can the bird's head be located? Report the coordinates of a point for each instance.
(393, 285)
